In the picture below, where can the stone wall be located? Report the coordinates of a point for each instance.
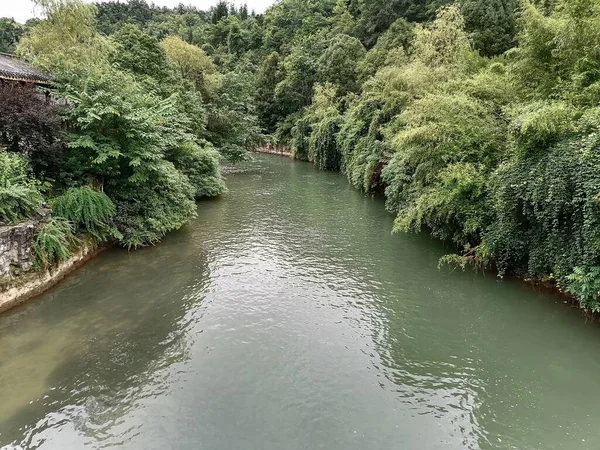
(18, 281)
(29, 285)
(274, 150)
(16, 243)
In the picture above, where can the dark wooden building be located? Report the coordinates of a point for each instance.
(15, 69)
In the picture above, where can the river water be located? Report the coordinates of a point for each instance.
(286, 316)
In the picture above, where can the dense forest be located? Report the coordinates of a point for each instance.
(477, 119)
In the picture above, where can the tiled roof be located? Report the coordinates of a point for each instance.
(13, 68)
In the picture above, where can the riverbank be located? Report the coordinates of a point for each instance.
(18, 290)
(274, 150)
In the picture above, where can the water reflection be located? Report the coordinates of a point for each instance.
(99, 344)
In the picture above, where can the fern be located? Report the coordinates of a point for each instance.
(19, 192)
(88, 210)
(53, 243)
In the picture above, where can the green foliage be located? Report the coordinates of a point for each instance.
(547, 210)
(584, 284)
(193, 64)
(391, 49)
(300, 133)
(444, 42)
(19, 192)
(557, 53)
(139, 53)
(376, 16)
(201, 165)
(149, 208)
(122, 135)
(53, 243)
(339, 63)
(364, 166)
(10, 33)
(269, 75)
(112, 15)
(322, 146)
(136, 111)
(540, 124)
(343, 22)
(232, 126)
(296, 89)
(67, 39)
(295, 20)
(89, 210)
(315, 136)
(492, 24)
(118, 130)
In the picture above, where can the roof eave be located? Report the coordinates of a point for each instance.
(27, 80)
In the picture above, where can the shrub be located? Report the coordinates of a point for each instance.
(19, 191)
(30, 126)
(53, 243)
(88, 210)
(201, 165)
(585, 285)
(150, 208)
(548, 210)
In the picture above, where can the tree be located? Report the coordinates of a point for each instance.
(112, 15)
(220, 11)
(343, 21)
(243, 11)
(10, 33)
(377, 15)
(300, 68)
(444, 42)
(139, 53)
(31, 126)
(491, 23)
(391, 48)
(339, 63)
(67, 40)
(193, 64)
(122, 130)
(232, 125)
(269, 76)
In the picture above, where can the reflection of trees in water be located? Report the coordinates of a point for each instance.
(459, 353)
(129, 314)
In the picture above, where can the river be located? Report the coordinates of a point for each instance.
(287, 316)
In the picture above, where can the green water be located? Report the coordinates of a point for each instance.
(288, 317)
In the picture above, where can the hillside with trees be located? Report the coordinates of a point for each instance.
(477, 119)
